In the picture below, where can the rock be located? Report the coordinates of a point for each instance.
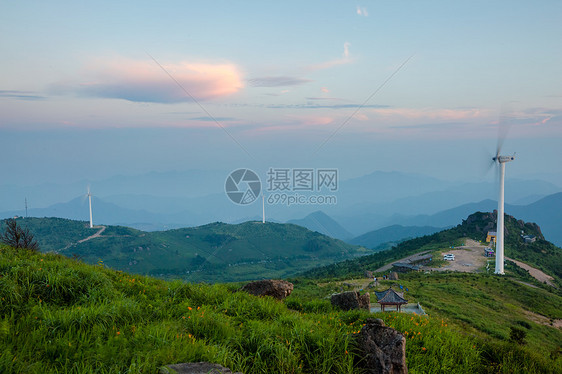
(196, 368)
(393, 276)
(381, 349)
(364, 301)
(369, 274)
(351, 300)
(278, 289)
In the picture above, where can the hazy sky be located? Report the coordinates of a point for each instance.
(94, 89)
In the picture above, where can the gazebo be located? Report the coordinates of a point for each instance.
(391, 297)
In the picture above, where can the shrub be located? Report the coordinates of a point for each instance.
(16, 237)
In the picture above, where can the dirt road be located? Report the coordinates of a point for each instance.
(469, 258)
(96, 235)
(535, 273)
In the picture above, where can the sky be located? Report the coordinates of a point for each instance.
(94, 89)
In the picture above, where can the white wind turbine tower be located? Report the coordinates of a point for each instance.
(501, 160)
(90, 200)
(263, 208)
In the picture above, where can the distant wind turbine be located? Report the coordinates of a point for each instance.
(263, 208)
(90, 200)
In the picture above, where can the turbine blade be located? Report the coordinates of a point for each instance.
(503, 128)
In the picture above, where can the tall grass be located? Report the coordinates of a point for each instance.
(61, 316)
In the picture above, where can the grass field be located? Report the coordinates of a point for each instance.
(61, 315)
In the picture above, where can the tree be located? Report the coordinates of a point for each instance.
(17, 237)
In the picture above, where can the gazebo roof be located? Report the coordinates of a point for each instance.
(390, 297)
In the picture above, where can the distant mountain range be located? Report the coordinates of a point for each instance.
(160, 201)
(324, 224)
(392, 234)
(367, 216)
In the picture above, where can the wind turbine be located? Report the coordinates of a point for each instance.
(501, 160)
(263, 208)
(90, 200)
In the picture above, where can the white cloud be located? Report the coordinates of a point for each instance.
(362, 11)
(346, 59)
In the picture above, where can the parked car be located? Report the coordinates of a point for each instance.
(449, 257)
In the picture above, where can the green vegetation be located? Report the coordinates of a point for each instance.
(53, 233)
(357, 267)
(541, 254)
(215, 252)
(61, 315)
(17, 237)
(511, 324)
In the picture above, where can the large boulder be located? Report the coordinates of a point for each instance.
(351, 300)
(196, 368)
(278, 289)
(393, 276)
(381, 349)
(364, 301)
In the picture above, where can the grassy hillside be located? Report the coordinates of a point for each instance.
(215, 252)
(541, 254)
(61, 315)
(513, 324)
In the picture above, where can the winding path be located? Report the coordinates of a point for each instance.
(469, 258)
(96, 235)
(534, 272)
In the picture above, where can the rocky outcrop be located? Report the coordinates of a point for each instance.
(381, 349)
(393, 276)
(481, 223)
(196, 368)
(278, 289)
(351, 300)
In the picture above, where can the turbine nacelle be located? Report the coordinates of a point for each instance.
(503, 159)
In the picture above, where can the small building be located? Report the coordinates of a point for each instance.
(422, 260)
(391, 297)
(529, 239)
(491, 237)
(403, 267)
(489, 252)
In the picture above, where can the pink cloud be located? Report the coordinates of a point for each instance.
(145, 81)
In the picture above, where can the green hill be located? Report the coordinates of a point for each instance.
(216, 252)
(541, 254)
(61, 315)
